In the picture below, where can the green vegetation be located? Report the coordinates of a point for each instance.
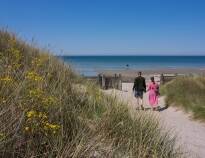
(48, 111)
(189, 93)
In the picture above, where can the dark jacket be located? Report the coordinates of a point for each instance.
(139, 84)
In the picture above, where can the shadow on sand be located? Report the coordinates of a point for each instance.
(157, 109)
(162, 108)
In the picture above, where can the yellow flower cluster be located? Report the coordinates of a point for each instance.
(15, 54)
(33, 98)
(40, 118)
(49, 101)
(42, 98)
(36, 62)
(33, 113)
(2, 100)
(33, 76)
(37, 93)
(36, 118)
(52, 127)
(39, 61)
(7, 79)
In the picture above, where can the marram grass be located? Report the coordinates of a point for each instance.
(48, 111)
(188, 93)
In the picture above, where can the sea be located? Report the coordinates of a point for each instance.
(92, 65)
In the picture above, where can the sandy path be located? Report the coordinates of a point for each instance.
(190, 134)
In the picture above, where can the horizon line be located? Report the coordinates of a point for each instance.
(130, 55)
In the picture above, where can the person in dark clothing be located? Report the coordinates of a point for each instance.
(138, 88)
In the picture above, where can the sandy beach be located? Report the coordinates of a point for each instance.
(129, 75)
(190, 134)
(133, 73)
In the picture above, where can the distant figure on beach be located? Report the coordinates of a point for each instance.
(153, 89)
(138, 89)
(127, 66)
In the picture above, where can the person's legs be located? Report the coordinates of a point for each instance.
(141, 101)
(138, 101)
(142, 106)
(138, 97)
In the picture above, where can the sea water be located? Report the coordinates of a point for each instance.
(91, 65)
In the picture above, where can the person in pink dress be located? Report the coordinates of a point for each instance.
(153, 89)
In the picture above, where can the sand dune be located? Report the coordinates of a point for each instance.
(190, 134)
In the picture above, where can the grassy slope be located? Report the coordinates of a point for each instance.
(188, 93)
(44, 112)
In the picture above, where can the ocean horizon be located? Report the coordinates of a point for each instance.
(91, 65)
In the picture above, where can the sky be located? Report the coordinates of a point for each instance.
(109, 27)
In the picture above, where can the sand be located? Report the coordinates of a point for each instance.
(190, 134)
(133, 73)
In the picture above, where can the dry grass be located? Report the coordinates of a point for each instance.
(188, 93)
(48, 111)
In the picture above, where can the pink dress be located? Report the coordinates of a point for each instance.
(153, 97)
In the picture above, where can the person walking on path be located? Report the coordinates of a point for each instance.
(153, 89)
(138, 88)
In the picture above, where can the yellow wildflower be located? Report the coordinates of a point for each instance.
(36, 93)
(39, 61)
(40, 114)
(17, 54)
(49, 100)
(6, 79)
(34, 76)
(2, 100)
(26, 128)
(52, 126)
(31, 113)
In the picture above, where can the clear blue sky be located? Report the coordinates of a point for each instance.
(109, 26)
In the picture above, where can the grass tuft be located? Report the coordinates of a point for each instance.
(188, 93)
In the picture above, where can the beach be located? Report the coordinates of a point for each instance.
(129, 75)
(133, 73)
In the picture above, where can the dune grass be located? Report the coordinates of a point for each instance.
(188, 93)
(48, 111)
